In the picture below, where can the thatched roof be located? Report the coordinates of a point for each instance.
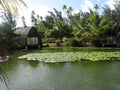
(23, 30)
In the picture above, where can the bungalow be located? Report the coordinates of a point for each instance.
(28, 37)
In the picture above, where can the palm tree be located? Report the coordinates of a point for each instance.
(92, 25)
(64, 7)
(23, 20)
(96, 7)
(12, 5)
(69, 11)
(41, 18)
(56, 15)
(100, 26)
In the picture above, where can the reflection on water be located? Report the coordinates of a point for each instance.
(33, 63)
(65, 76)
(32, 75)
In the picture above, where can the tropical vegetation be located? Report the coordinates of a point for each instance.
(79, 29)
(8, 12)
(87, 27)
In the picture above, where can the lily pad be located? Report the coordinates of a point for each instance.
(71, 56)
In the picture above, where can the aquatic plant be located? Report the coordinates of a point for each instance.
(71, 56)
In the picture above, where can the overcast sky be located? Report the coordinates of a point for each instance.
(41, 7)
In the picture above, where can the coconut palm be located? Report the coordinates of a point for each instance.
(100, 26)
(64, 7)
(96, 7)
(56, 15)
(79, 22)
(23, 20)
(92, 25)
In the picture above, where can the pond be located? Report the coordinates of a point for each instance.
(82, 75)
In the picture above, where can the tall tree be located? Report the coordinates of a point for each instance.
(10, 18)
(96, 7)
(113, 14)
(64, 7)
(56, 15)
(33, 18)
(23, 20)
(69, 11)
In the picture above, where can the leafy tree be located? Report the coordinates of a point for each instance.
(8, 34)
(113, 14)
(10, 18)
(41, 29)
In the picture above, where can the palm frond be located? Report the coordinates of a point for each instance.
(12, 5)
(4, 78)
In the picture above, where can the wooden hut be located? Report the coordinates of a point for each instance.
(28, 37)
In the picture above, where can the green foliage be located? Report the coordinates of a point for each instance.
(57, 42)
(45, 44)
(12, 7)
(59, 30)
(52, 34)
(62, 29)
(89, 27)
(73, 42)
(40, 29)
(6, 36)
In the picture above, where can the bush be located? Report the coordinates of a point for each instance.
(73, 42)
(57, 42)
(15, 45)
(46, 45)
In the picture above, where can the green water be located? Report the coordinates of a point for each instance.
(85, 75)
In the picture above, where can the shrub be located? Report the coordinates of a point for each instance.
(73, 42)
(57, 42)
(46, 45)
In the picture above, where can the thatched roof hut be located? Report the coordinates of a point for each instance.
(28, 37)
